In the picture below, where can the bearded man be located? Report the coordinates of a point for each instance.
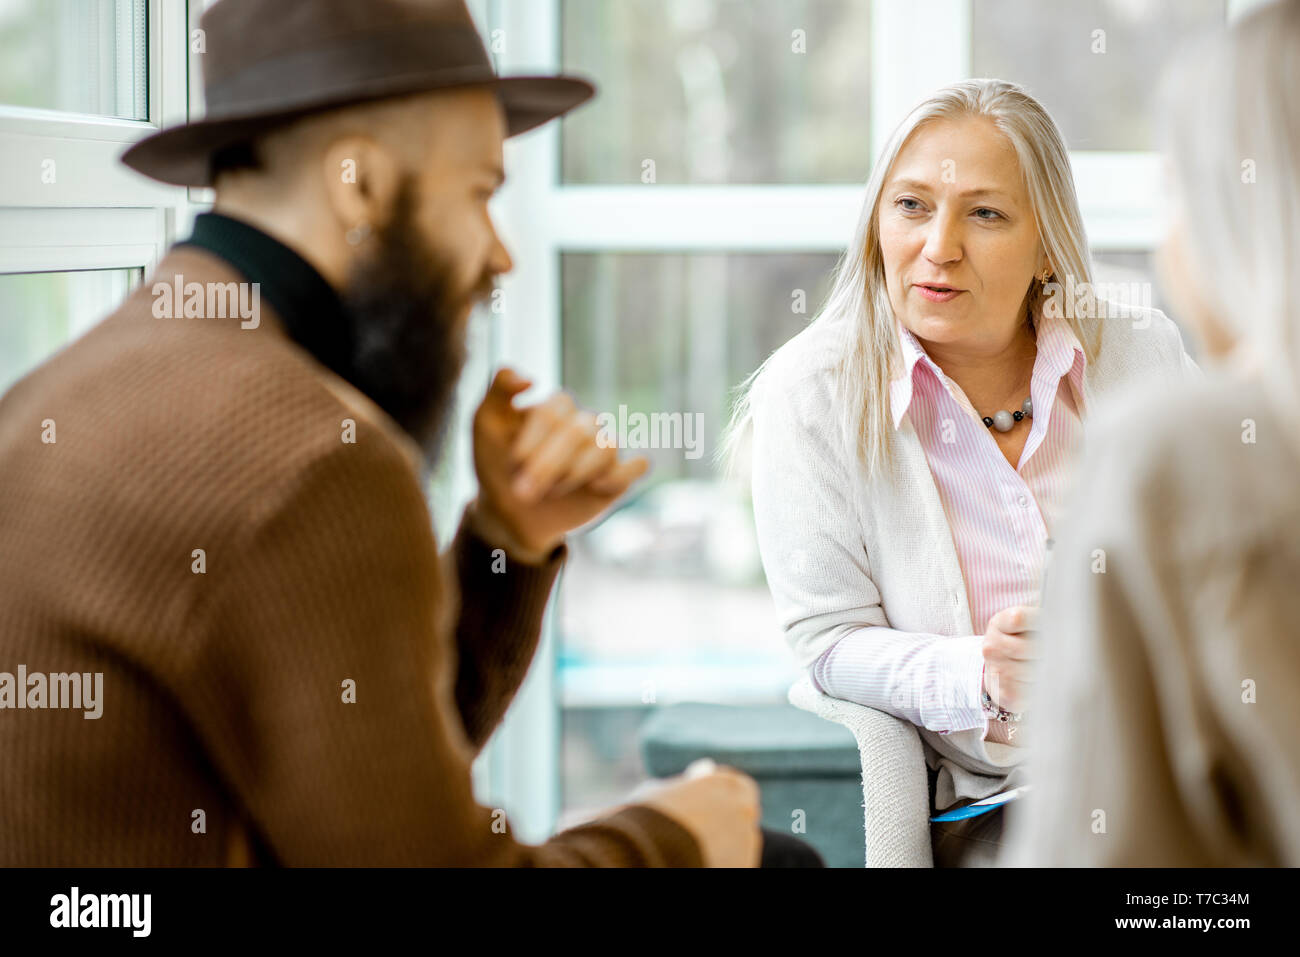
(223, 515)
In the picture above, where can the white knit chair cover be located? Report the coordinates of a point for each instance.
(895, 783)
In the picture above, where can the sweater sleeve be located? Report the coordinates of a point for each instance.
(932, 681)
(324, 692)
(502, 602)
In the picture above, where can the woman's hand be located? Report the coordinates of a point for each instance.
(1009, 651)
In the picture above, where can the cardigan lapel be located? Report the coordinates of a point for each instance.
(915, 493)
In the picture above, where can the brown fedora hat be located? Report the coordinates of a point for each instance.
(271, 61)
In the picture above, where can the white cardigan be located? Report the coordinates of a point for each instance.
(842, 552)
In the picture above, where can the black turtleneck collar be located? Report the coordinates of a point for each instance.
(308, 306)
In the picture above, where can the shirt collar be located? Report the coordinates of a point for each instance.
(1059, 354)
(308, 307)
(901, 388)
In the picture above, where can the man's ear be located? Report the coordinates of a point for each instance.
(361, 178)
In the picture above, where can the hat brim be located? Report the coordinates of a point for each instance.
(180, 155)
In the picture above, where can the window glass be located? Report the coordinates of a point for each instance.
(84, 56)
(665, 599)
(1094, 64)
(719, 91)
(40, 312)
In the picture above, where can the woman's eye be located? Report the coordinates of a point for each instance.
(903, 203)
(992, 214)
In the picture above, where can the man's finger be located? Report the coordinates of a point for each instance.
(551, 459)
(506, 384)
(590, 464)
(539, 421)
(617, 480)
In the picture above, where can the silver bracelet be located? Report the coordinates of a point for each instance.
(994, 711)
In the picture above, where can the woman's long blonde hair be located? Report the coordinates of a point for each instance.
(859, 302)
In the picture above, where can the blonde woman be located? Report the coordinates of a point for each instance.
(912, 448)
(1169, 697)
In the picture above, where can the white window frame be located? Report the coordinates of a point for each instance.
(96, 214)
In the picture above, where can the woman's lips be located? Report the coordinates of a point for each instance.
(938, 295)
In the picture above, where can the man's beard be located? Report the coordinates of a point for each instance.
(403, 310)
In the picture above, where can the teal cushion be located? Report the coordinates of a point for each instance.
(776, 740)
(808, 772)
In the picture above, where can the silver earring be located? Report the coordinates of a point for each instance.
(357, 234)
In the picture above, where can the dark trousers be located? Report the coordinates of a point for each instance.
(786, 850)
(970, 842)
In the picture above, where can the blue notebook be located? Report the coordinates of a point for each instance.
(983, 806)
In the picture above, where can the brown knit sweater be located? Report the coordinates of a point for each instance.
(225, 735)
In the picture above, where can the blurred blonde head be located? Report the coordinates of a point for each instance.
(858, 311)
(1231, 136)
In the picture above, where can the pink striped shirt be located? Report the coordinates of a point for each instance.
(1001, 520)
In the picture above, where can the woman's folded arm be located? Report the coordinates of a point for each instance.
(932, 681)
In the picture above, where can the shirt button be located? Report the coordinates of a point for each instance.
(1023, 501)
